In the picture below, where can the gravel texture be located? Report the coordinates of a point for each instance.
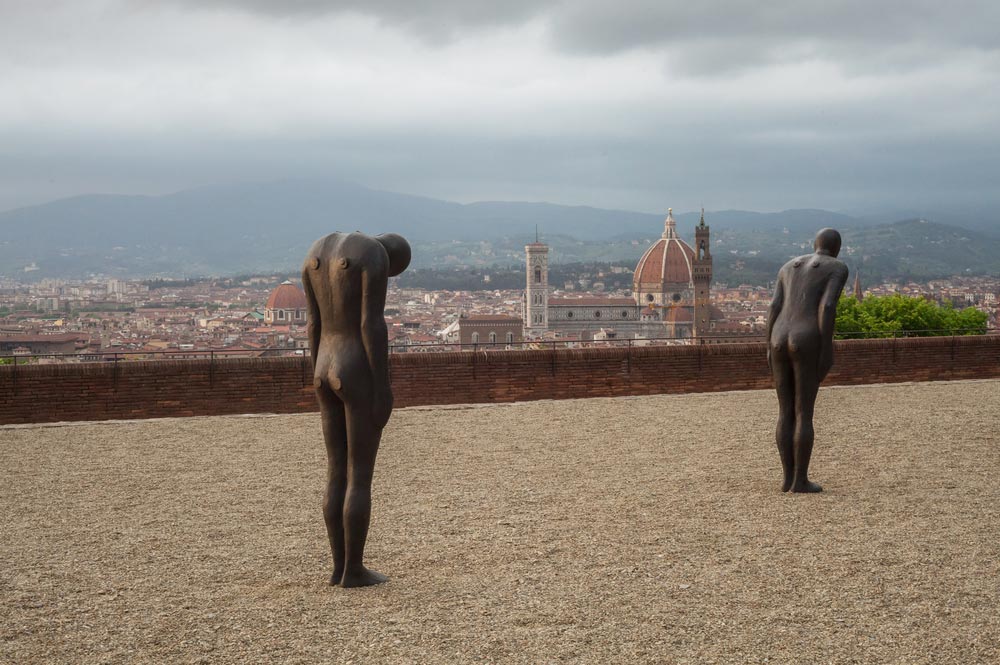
(618, 530)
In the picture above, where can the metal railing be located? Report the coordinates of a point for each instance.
(756, 336)
(431, 347)
(530, 345)
(928, 332)
(173, 354)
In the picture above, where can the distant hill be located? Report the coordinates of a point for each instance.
(982, 219)
(206, 230)
(240, 228)
(917, 248)
(268, 226)
(909, 249)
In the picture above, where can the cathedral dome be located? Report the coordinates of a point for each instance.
(286, 296)
(664, 271)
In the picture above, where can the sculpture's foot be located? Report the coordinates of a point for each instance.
(806, 487)
(364, 577)
(786, 484)
(336, 577)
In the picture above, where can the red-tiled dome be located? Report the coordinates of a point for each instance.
(287, 296)
(668, 261)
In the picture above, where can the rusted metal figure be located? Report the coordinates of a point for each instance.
(800, 325)
(345, 276)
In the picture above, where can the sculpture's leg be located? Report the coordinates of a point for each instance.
(806, 387)
(363, 441)
(784, 383)
(335, 435)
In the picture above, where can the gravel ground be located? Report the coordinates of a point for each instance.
(607, 530)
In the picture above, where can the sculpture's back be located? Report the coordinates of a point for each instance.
(345, 277)
(800, 349)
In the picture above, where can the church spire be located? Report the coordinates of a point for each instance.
(858, 295)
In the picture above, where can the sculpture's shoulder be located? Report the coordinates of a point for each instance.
(794, 264)
(328, 245)
(834, 266)
(351, 249)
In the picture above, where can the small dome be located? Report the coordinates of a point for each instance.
(287, 296)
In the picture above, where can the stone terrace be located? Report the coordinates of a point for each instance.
(643, 529)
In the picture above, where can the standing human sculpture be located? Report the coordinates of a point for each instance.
(800, 323)
(344, 277)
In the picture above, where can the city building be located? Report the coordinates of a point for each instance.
(536, 293)
(490, 329)
(670, 294)
(42, 344)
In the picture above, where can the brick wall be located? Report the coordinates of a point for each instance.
(98, 391)
(150, 389)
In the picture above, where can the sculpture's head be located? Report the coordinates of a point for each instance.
(827, 242)
(398, 250)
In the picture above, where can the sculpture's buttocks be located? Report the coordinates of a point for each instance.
(803, 281)
(337, 269)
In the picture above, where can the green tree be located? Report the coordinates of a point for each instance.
(902, 315)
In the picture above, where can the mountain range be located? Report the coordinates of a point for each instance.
(245, 228)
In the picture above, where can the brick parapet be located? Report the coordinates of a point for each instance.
(149, 389)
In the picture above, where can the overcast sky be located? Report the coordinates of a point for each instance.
(635, 104)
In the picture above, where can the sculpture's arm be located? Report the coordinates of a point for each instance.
(777, 302)
(374, 334)
(313, 327)
(827, 317)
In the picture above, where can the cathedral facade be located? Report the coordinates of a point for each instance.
(670, 295)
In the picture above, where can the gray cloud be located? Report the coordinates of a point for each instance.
(718, 38)
(634, 105)
(432, 20)
(602, 27)
(459, 12)
(643, 173)
(708, 37)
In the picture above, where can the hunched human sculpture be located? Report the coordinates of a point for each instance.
(800, 324)
(344, 277)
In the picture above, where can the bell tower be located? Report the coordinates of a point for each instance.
(536, 292)
(701, 273)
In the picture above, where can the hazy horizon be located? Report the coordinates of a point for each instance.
(641, 106)
(251, 183)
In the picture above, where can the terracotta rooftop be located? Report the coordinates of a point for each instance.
(680, 315)
(34, 339)
(492, 317)
(287, 296)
